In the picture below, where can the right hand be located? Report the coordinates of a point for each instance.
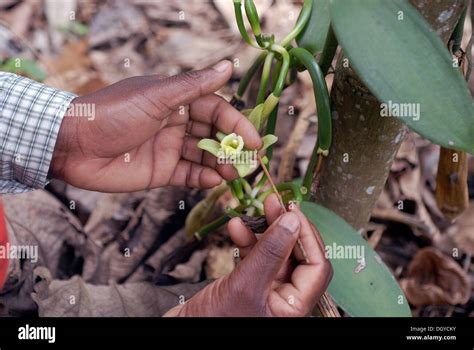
(273, 279)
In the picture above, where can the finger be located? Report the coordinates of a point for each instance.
(271, 252)
(272, 208)
(309, 238)
(216, 111)
(178, 117)
(171, 93)
(191, 151)
(198, 129)
(227, 171)
(309, 280)
(194, 175)
(308, 283)
(242, 237)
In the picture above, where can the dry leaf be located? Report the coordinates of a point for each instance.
(58, 15)
(462, 231)
(117, 21)
(220, 262)
(154, 221)
(37, 219)
(190, 271)
(76, 298)
(434, 278)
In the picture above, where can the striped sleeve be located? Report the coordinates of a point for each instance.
(30, 117)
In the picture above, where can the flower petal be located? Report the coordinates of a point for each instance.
(211, 146)
(268, 140)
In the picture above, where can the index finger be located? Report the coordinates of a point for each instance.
(215, 110)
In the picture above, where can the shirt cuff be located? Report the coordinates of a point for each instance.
(30, 116)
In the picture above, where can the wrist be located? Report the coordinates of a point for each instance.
(65, 141)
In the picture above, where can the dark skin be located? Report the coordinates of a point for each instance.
(144, 135)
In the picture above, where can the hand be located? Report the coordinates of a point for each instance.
(270, 281)
(145, 132)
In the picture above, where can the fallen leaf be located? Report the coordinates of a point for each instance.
(190, 271)
(76, 298)
(462, 232)
(434, 278)
(58, 15)
(38, 220)
(118, 20)
(220, 262)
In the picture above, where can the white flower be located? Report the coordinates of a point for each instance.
(232, 145)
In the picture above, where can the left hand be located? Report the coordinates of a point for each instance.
(145, 132)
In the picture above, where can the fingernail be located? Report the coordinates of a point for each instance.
(290, 222)
(221, 67)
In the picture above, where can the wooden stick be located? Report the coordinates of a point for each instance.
(326, 305)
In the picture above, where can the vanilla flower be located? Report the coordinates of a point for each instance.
(232, 145)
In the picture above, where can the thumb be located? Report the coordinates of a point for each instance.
(182, 89)
(272, 250)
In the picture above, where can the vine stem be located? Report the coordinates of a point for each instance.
(300, 23)
(245, 81)
(264, 79)
(280, 84)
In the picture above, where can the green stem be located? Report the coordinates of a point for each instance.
(245, 81)
(237, 185)
(212, 226)
(265, 76)
(287, 186)
(220, 221)
(240, 23)
(321, 94)
(300, 23)
(257, 204)
(271, 126)
(252, 16)
(247, 187)
(233, 213)
(280, 84)
(276, 73)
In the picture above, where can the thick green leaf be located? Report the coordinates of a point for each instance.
(313, 36)
(402, 61)
(360, 291)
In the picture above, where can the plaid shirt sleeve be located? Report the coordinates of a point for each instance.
(30, 117)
